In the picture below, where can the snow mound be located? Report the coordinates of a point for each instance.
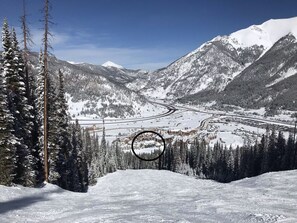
(112, 64)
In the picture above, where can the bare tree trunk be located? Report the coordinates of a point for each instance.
(46, 45)
(26, 36)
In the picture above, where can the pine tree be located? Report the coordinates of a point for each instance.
(18, 107)
(119, 157)
(25, 118)
(54, 150)
(72, 172)
(111, 160)
(176, 163)
(81, 164)
(39, 102)
(103, 153)
(30, 85)
(67, 154)
(280, 151)
(95, 170)
(230, 164)
(272, 151)
(237, 158)
(7, 138)
(265, 159)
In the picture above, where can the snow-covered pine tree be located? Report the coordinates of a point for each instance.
(230, 163)
(177, 156)
(111, 163)
(272, 150)
(280, 150)
(30, 84)
(264, 147)
(291, 148)
(18, 107)
(119, 157)
(73, 175)
(168, 156)
(55, 157)
(108, 162)
(25, 117)
(237, 158)
(92, 147)
(103, 151)
(81, 164)
(39, 101)
(68, 170)
(37, 130)
(7, 138)
(87, 147)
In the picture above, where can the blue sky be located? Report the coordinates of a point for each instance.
(146, 34)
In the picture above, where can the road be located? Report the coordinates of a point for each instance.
(244, 117)
(170, 111)
(115, 126)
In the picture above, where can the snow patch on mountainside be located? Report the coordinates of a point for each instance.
(74, 63)
(265, 34)
(112, 64)
(283, 75)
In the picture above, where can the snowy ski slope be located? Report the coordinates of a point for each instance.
(157, 196)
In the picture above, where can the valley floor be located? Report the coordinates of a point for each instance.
(157, 196)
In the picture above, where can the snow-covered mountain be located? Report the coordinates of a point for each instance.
(132, 79)
(156, 196)
(236, 68)
(112, 64)
(252, 67)
(99, 91)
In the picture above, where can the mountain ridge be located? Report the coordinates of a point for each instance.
(209, 72)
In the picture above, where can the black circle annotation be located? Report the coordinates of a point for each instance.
(155, 158)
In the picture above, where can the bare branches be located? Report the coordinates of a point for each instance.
(27, 36)
(47, 34)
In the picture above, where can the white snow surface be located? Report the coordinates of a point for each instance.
(72, 62)
(156, 196)
(147, 150)
(112, 64)
(283, 75)
(265, 34)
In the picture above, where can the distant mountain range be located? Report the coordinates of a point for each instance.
(253, 67)
(101, 91)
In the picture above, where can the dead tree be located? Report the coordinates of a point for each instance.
(27, 40)
(46, 47)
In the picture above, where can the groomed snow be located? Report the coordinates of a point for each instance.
(156, 196)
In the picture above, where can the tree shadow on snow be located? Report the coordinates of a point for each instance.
(19, 203)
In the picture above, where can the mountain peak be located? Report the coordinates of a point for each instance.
(112, 64)
(265, 34)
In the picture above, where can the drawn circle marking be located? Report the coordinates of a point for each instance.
(155, 158)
